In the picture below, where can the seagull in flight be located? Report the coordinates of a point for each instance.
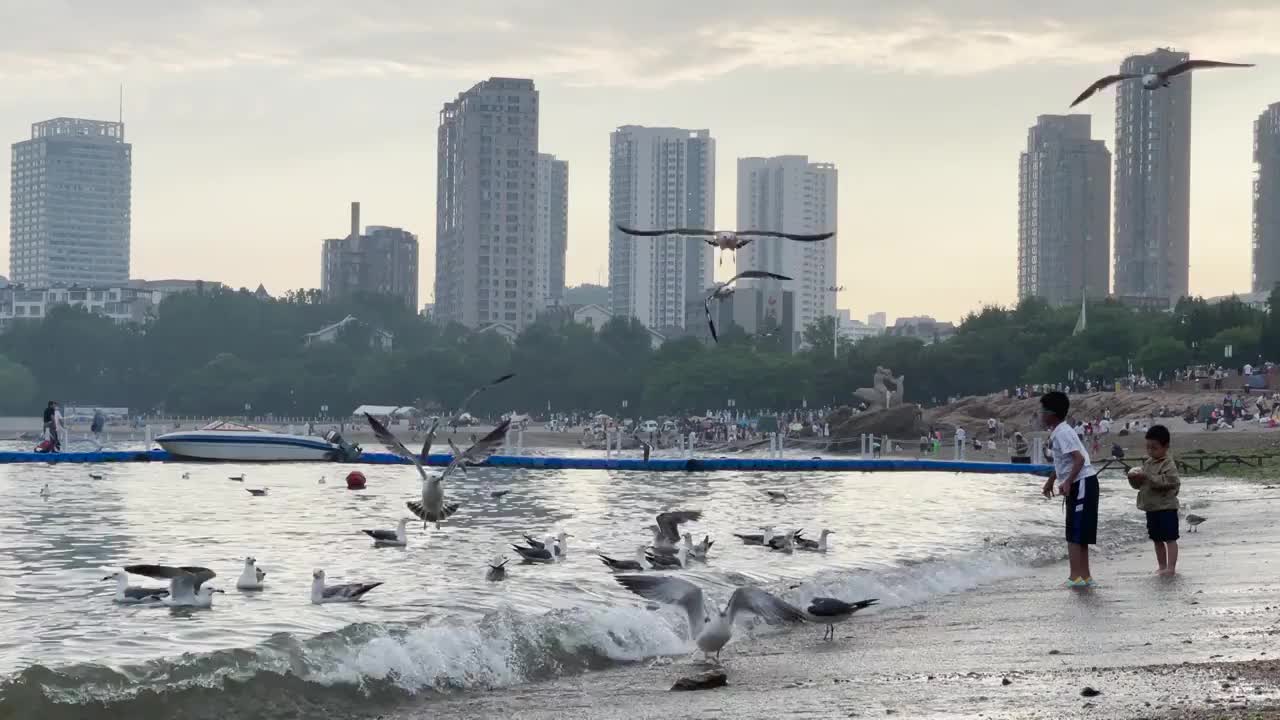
(462, 409)
(432, 508)
(1155, 80)
(666, 534)
(725, 290)
(185, 583)
(711, 631)
(726, 239)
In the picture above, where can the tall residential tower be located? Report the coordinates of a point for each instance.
(486, 207)
(69, 205)
(1064, 198)
(1266, 200)
(789, 194)
(382, 260)
(1153, 182)
(660, 178)
(552, 226)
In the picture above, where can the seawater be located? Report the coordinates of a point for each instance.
(436, 626)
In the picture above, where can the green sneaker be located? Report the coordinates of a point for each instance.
(1078, 582)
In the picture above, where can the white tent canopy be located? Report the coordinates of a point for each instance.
(385, 411)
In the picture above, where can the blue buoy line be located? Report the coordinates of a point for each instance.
(539, 462)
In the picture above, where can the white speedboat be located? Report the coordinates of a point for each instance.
(224, 440)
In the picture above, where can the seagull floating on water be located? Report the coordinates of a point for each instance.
(186, 583)
(432, 508)
(321, 481)
(389, 538)
(819, 545)
(497, 572)
(726, 239)
(96, 476)
(725, 290)
(237, 478)
(256, 492)
(699, 551)
(186, 476)
(553, 548)
(349, 592)
(1193, 522)
(496, 494)
(252, 577)
(628, 565)
(829, 611)
(44, 491)
(761, 539)
(127, 594)
(710, 631)
(775, 494)
(1155, 80)
(679, 561)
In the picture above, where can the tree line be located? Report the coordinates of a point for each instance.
(215, 352)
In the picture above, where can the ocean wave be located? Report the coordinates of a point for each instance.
(367, 668)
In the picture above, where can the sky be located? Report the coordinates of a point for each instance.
(255, 123)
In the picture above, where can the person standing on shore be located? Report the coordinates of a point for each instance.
(95, 427)
(1077, 483)
(1157, 484)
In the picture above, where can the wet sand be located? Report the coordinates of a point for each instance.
(1201, 645)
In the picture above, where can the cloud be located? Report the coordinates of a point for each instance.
(589, 43)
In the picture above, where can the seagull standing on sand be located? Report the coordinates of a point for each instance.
(432, 508)
(829, 611)
(1193, 522)
(726, 239)
(185, 583)
(725, 290)
(389, 538)
(349, 592)
(1154, 80)
(710, 631)
(252, 576)
(127, 594)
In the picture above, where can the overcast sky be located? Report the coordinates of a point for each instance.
(255, 123)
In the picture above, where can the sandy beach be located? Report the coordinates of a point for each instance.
(1201, 645)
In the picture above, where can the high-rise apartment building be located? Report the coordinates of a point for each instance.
(69, 205)
(660, 178)
(789, 194)
(1266, 200)
(1153, 182)
(1064, 199)
(382, 260)
(552, 226)
(486, 206)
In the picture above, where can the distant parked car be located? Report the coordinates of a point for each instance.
(649, 426)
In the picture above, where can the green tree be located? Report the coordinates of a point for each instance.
(1162, 355)
(17, 388)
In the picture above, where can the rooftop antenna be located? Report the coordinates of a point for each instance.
(121, 103)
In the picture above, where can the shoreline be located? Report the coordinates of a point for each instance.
(1201, 645)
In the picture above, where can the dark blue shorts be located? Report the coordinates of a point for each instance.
(1162, 525)
(1082, 513)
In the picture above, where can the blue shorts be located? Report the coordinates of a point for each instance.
(1162, 525)
(1082, 512)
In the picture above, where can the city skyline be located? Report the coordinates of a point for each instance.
(225, 131)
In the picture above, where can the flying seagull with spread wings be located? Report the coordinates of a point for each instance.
(432, 508)
(710, 630)
(1155, 80)
(725, 290)
(726, 239)
(462, 410)
(185, 583)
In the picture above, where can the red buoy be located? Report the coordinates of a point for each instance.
(355, 480)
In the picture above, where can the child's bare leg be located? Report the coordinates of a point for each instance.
(1162, 558)
(1173, 557)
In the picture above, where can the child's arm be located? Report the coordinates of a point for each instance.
(1167, 478)
(1137, 478)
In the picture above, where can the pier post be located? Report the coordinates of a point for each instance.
(520, 442)
(147, 437)
(885, 447)
(693, 436)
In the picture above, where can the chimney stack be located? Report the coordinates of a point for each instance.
(355, 221)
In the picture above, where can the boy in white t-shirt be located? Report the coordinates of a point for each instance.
(1077, 483)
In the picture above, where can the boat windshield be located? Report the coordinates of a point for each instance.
(227, 425)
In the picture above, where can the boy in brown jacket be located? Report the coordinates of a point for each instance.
(1157, 484)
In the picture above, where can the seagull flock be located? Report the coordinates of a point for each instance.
(669, 549)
